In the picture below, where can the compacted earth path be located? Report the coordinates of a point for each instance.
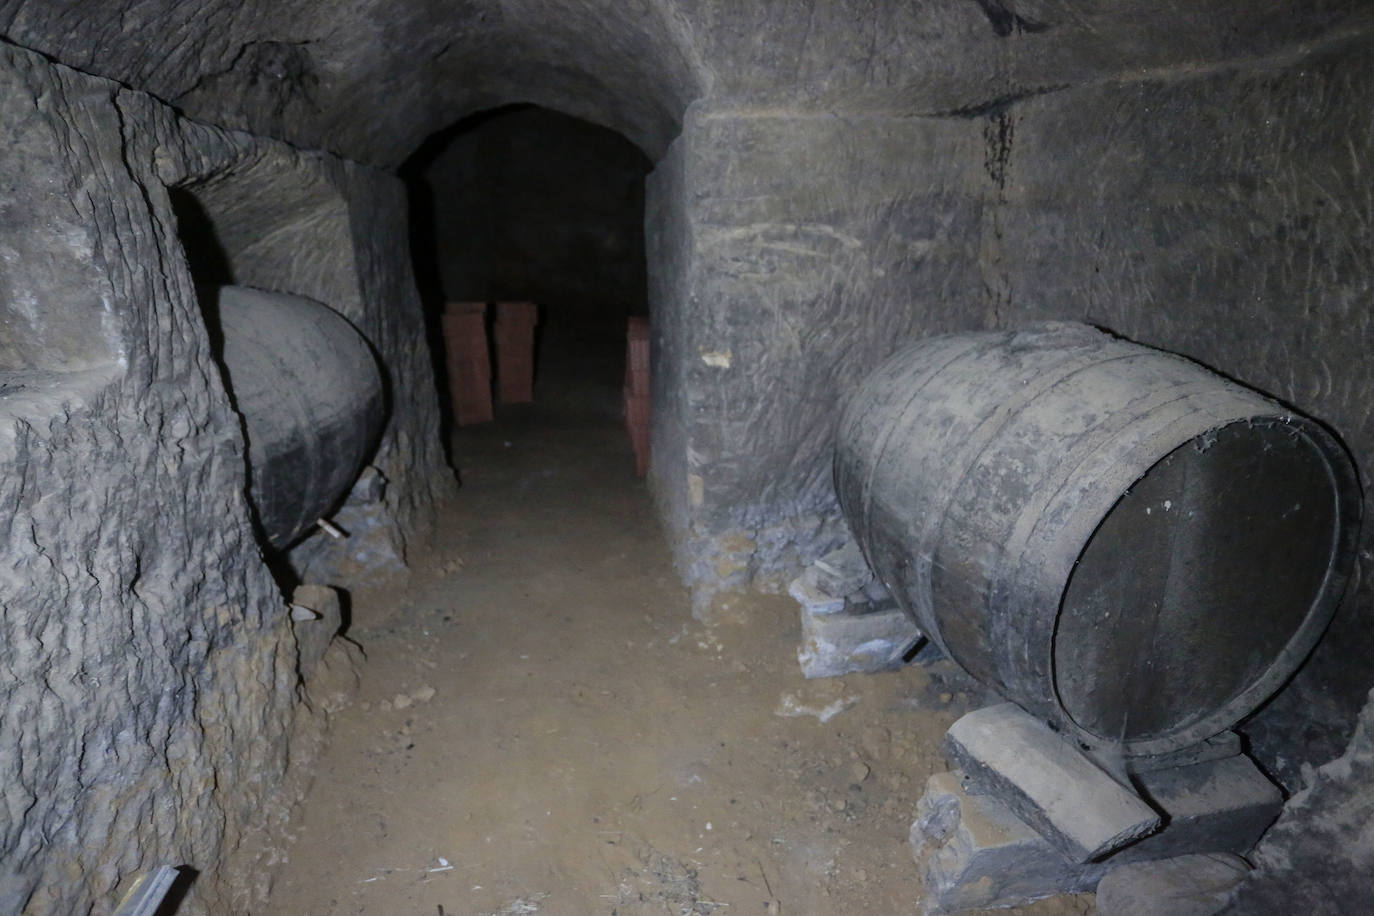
(542, 726)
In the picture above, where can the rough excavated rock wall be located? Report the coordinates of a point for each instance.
(410, 454)
(149, 684)
(148, 672)
(814, 245)
(668, 249)
(1318, 858)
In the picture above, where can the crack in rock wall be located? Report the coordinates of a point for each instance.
(370, 80)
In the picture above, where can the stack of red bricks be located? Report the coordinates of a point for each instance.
(469, 363)
(515, 323)
(637, 391)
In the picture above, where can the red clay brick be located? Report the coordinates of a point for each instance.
(514, 332)
(468, 362)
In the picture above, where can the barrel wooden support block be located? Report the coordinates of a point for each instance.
(1064, 796)
(468, 361)
(514, 332)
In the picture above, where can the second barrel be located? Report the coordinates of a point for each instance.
(1123, 542)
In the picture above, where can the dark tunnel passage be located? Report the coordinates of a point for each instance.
(526, 204)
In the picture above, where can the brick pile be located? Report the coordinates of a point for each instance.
(469, 363)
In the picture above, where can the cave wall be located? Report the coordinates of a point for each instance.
(135, 678)
(806, 248)
(151, 693)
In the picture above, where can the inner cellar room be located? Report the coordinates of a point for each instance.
(792, 457)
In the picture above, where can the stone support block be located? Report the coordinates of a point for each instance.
(840, 643)
(974, 853)
(1214, 806)
(814, 601)
(1193, 885)
(1075, 805)
(841, 572)
(515, 323)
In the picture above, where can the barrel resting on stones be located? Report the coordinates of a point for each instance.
(1132, 549)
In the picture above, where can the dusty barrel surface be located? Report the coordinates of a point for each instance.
(1116, 538)
(308, 389)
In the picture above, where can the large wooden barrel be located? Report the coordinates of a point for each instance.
(310, 394)
(1116, 538)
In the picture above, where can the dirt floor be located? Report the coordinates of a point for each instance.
(543, 728)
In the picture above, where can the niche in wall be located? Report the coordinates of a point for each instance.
(269, 251)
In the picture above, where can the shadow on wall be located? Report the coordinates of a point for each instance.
(525, 203)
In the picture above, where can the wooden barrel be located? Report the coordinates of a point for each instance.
(1116, 538)
(310, 394)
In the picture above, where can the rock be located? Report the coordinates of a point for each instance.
(1193, 885)
(841, 572)
(835, 643)
(974, 852)
(401, 701)
(313, 634)
(423, 695)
